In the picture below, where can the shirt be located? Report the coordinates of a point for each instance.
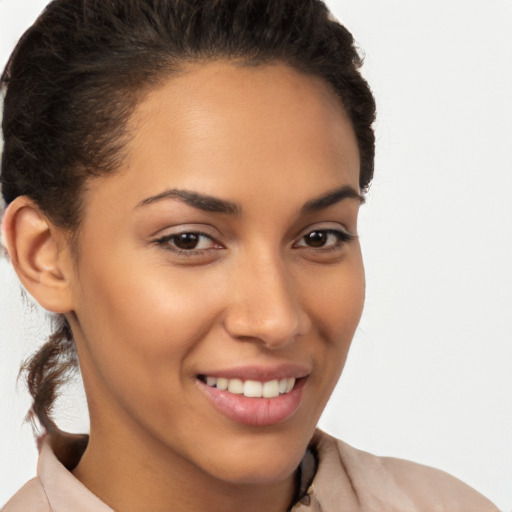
(334, 477)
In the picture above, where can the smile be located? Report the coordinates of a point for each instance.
(251, 388)
(255, 396)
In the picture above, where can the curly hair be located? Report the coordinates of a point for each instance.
(77, 74)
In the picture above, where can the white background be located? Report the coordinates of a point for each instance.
(429, 376)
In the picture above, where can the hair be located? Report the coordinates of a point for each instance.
(77, 74)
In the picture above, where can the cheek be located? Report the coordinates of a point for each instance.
(336, 306)
(137, 331)
(153, 307)
(142, 324)
(337, 300)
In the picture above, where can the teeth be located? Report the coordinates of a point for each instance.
(211, 381)
(253, 388)
(221, 383)
(235, 386)
(271, 389)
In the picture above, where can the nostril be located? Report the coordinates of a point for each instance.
(265, 306)
(273, 328)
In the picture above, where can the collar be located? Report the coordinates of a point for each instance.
(63, 490)
(60, 454)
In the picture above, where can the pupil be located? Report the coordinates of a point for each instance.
(187, 240)
(316, 238)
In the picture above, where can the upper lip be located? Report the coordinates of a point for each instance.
(260, 372)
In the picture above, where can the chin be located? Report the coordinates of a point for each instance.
(261, 460)
(268, 471)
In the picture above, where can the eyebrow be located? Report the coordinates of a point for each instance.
(331, 198)
(200, 201)
(215, 205)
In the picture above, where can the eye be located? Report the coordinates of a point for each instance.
(191, 242)
(324, 239)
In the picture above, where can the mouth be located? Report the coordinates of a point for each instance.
(251, 388)
(258, 401)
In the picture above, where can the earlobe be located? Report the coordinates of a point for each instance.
(39, 254)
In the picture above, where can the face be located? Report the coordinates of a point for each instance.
(224, 254)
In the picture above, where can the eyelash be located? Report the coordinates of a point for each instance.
(342, 238)
(165, 242)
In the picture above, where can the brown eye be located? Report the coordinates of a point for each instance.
(186, 241)
(324, 239)
(316, 238)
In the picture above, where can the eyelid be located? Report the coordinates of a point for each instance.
(343, 236)
(326, 226)
(176, 235)
(193, 227)
(165, 240)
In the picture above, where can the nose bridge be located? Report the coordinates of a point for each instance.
(265, 304)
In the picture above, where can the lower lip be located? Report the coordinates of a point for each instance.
(259, 412)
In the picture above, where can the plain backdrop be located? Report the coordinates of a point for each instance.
(429, 375)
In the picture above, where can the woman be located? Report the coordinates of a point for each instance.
(182, 182)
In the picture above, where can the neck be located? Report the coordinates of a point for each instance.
(130, 477)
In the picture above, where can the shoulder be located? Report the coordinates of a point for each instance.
(30, 498)
(385, 483)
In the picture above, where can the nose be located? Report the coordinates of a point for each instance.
(264, 304)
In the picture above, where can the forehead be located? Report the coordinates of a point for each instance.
(223, 129)
(255, 96)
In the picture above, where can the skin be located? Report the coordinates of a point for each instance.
(147, 319)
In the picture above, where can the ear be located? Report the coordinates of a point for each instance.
(40, 255)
